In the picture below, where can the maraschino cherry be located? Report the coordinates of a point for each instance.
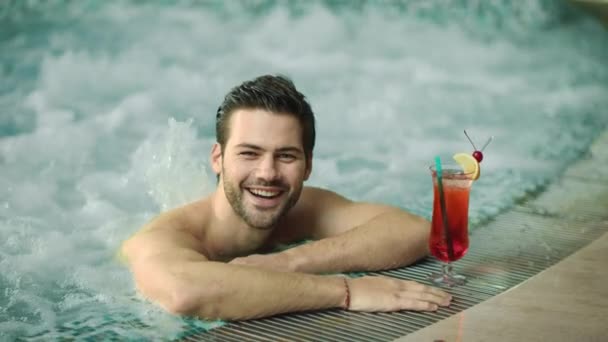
(477, 154)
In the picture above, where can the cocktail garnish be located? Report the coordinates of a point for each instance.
(477, 154)
(469, 164)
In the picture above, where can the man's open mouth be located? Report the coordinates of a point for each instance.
(266, 194)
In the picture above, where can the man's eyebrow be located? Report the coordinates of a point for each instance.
(251, 146)
(293, 149)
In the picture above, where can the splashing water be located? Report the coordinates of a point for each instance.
(108, 118)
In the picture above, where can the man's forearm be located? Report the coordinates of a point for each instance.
(216, 290)
(390, 240)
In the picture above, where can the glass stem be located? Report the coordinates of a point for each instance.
(446, 269)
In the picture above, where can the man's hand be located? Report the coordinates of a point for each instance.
(384, 294)
(275, 261)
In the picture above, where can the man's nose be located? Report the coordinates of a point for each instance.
(267, 169)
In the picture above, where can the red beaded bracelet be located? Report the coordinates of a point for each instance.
(347, 299)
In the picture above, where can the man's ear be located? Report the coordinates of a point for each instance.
(216, 158)
(308, 166)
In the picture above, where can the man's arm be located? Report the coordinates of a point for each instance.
(170, 271)
(186, 284)
(350, 236)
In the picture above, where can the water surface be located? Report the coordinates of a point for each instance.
(107, 109)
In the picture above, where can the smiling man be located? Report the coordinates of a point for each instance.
(211, 259)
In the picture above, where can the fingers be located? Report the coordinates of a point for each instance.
(440, 300)
(416, 296)
(418, 305)
(412, 289)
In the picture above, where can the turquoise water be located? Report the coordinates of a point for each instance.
(107, 118)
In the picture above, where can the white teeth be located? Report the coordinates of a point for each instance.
(264, 193)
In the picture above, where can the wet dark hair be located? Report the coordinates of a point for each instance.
(275, 94)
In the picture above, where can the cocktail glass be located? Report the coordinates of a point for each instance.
(449, 240)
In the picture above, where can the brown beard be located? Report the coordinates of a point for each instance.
(234, 195)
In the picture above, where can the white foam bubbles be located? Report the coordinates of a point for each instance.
(390, 92)
(173, 165)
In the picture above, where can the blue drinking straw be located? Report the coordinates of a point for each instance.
(444, 214)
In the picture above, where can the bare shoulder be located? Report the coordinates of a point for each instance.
(322, 213)
(314, 203)
(319, 202)
(318, 197)
(177, 230)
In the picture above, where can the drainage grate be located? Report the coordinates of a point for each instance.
(512, 248)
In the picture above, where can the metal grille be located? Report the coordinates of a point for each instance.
(513, 247)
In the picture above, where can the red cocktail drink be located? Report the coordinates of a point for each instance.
(449, 240)
(457, 209)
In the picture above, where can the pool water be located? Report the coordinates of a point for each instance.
(107, 118)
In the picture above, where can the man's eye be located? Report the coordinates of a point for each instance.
(247, 153)
(287, 156)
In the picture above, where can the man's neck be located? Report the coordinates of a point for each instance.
(228, 236)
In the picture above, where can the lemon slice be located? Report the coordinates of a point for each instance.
(468, 164)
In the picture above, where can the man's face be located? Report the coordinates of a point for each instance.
(263, 166)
